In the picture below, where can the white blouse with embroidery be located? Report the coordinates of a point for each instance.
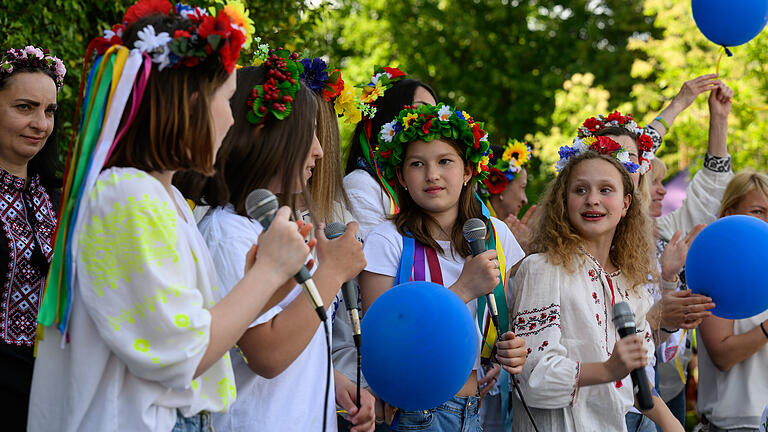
(140, 322)
(566, 319)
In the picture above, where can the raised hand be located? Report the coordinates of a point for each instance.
(673, 257)
(343, 256)
(720, 101)
(521, 228)
(683, 309)
(691, 89)
(282, 247)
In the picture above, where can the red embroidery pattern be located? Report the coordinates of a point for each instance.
(576, 385)
(543, 345)
(29, 222)
(532, 322)
(594, 296)
(599, 322)
(593, 275)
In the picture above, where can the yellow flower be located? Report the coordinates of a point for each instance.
(516, 153)
(345, 105)
(372, 95)
(483, 164)
(409, 118)
(237, 12)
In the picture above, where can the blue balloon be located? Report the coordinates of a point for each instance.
(419, 345)
(730, 22)
(727, 262)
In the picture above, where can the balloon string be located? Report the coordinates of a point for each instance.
(723, 52)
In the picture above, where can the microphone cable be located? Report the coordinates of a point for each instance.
(328, 372)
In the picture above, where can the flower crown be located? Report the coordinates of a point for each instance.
(225, 34)
(429, 123)
(383, 79)
(515, 157)
(319, 80)
(33, 57)
(594, 125)
(599, 144)
(276, 95)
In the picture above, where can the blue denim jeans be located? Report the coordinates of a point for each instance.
(198, 423)
(459, 414)
(639, 423)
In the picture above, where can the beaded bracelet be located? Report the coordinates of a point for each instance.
(664, 122)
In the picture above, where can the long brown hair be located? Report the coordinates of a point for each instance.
(326, 185)
(413, 221)
(555, 236)
(252, 155)
(172, 128)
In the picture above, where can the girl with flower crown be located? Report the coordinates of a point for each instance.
(144, 344)
(280, 362)
(372, 199)
(503, 191)
(591, 251)
(435, 155)
(29, 82)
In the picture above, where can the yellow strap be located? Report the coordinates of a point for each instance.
(678, 362)
(490, 339)
(752, 107)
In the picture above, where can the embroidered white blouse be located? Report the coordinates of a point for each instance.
(140, 323)
(566, 319)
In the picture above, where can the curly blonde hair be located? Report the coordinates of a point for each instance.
(554, 235)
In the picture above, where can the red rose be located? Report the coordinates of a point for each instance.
(616, 116)
(181, 33)
(425, 127)
(144, 8)
(644, 143)
(605, 145)
(593, 124)
(394, 72)
(385, 154)
(496, 181)
(231, 41)
(478, 133)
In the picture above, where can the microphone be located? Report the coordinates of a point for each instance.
(624, 321)
(474, 233)
(333, 230)
(261, 205)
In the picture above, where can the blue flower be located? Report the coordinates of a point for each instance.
(314, 74)
(398, 127)
(631, 166)
(460, 115)
(566, 152)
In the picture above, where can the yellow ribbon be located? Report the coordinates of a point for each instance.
(733, 101)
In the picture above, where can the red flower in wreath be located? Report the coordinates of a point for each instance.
(593, 124)
(605, 145)
(644, 143)
(478, 133)
(144, 8)
(394, 72)
(223, 38)
(615, 116)
(496, 181)
(333, 89)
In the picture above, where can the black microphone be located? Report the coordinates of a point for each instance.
(333, 230)
(261, 205)
(474, 232)
(624, 321)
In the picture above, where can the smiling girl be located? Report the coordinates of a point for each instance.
(592, 249)
(432, 156)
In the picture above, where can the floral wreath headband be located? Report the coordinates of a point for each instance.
(276, 95)
(644, 142)
(429, 123)
(599, 144)
(223, 34)
(516, 156)
(33, 57)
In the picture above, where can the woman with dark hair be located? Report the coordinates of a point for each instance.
(30, 79)
(139, 341)
(370, 198)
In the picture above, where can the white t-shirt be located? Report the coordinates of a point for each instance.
(144, 282)
(368, 202)
(293, 400)
(384, 247)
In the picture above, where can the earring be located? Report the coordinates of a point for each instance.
(406, 187)
(465, 184)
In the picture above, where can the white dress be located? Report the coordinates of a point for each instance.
(566, 319)
(140, 322)
(293, 400)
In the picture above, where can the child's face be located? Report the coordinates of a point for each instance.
(596, 199)
(434, 175)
